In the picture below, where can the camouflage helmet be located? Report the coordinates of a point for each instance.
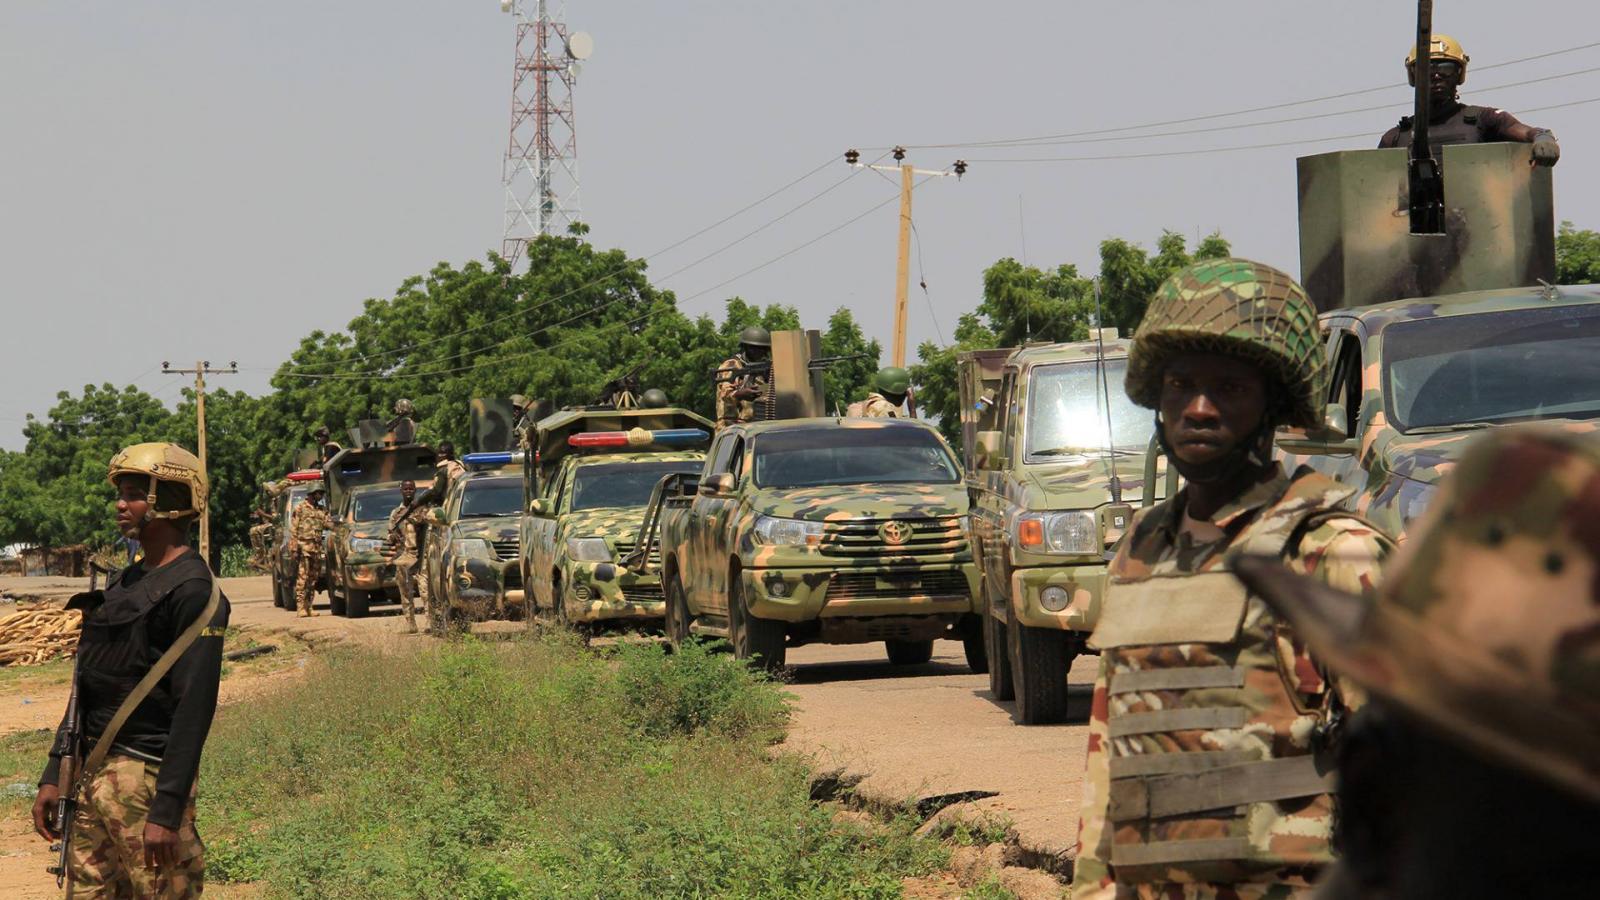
(755, 336)
(1487, 625)
(1238, 308)
(403, 407)
(159, 463)
(1442, 46)
(892, 380)
(655, 398)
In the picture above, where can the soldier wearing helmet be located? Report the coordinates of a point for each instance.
(326, 448)
(742, 379)
(402, 428)
(135, 834)
(890, 386)
(1452, 122)
(1203, 777)
(307, 525)
(1481, 656)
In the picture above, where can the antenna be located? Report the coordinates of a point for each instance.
(540, 171)
(1105, 394)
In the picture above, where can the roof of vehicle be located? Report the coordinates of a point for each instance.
(1379, 315)
(656, 457)
(1071, 351)
(822, 424)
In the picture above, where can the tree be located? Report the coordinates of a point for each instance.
(847, 381)
(1129, 275)
(1577, 255)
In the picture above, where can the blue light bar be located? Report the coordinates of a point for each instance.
(681, 436)
(500, 458)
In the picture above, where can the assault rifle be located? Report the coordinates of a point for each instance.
(70, 743)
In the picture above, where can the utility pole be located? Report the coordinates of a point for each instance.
(201, 369)
(902, 281)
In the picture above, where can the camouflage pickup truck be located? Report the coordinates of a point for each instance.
(363, 488)
(1053, 479)
(586, 480)
(473, 546)
(820, 530)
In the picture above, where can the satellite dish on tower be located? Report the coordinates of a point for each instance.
(580, 45)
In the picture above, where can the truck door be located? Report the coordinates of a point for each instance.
(541, 543)
(710, 520)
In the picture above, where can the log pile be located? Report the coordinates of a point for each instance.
(38, 634)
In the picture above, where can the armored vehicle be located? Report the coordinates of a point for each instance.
(586, 483)
(281, 550)
(819, 530)
(363, 488)
(473, 544)
(1055, 458)
(1436, 335)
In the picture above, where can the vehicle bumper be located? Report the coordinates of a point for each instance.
(1085, 586)
(799, 594)
(484, 586)
(369, 576)
(606, 592)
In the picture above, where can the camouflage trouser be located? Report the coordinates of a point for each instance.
(107, 858)
(305, 585)
(412, 586)
(258, 543)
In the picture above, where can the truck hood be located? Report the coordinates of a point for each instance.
(1084, 482)
(489, 528)
(615, 523)
(864, 501)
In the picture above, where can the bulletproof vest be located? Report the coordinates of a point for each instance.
(1461, 128)
(116, 649)
(1210, 757)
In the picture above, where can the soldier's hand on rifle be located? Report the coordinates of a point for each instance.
(44, 807)
(747, 393)
(160, 847)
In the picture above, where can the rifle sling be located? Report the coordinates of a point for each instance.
(102, 745)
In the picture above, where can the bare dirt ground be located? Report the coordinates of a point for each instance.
(907, 732)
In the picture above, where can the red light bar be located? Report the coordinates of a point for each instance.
(306, 475)
(599, 439)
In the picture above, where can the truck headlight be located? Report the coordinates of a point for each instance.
(787, 532)
(1073, 532)
(367, 545)
(472, 548)
(588, 549)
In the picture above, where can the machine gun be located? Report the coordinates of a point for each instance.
(1424, 175)
(70, 744)
(621, 392)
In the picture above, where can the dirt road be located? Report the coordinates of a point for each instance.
(909, 732)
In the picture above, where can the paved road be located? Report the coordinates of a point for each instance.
(911, 731)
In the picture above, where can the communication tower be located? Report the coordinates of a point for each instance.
(541, 164)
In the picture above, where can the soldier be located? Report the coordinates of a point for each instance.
(260, 537)
(134, 833)
(1482, 659)
(736, 392)
(326, 448)
(889, 390)
(402, 428)
(1201, 780)
(306, 526)
(1451, 122)
(403, 538)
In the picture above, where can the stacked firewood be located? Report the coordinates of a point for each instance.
(38, 634)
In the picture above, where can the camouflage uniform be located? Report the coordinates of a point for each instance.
(107, 856)
(875, 406)
(406, 571)
(731, 409)
(305, 529)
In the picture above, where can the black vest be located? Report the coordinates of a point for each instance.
(1462, 128)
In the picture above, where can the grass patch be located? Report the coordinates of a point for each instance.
(22, 757)
(532, 769)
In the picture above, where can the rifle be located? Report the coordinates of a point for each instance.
(70, 745)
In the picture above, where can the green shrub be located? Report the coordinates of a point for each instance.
(236, 561)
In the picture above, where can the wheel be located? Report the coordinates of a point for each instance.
(994, 648)
(435, 613)
(759, 640)
(909, 653)
(977, 654)
(277, 592)
(1040, 658)
(335, 601)
(677, 624)
(358, 604)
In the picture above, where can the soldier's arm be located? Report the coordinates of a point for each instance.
(725, 385)
(192, 683)
(1092, 878)
(1348, 555)
(1391, 138)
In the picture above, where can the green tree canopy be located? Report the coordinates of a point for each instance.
(1577, 255)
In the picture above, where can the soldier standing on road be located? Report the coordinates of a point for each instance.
(1482, 659)
(1201, 779)
(1452, 122)
(134, 834)
(403, 537)
(737, 394)
(889, 389)
(306, 526)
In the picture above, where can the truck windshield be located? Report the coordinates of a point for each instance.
(622, 484)
(1512, 366)
(812, 457)
(485, 497)
(375, 506)
(1067, 411)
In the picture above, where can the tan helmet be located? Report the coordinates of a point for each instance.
(158, 462)
(1443, 46)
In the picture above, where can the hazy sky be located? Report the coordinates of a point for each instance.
(182, 179)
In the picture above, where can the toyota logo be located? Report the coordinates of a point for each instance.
(895, 532)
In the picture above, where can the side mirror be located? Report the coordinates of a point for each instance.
(1332, 437)
(987, 450)
(538, 507)
(717, 485)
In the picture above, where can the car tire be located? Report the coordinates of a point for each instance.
(760, 641)
(358, 604)
(677, 619)
(994, 647)
(277, 592)
(977, 654)
(335, 601)
(1040, 658)
(909, 653)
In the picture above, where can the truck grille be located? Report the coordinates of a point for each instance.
(869, 538)
(625, 547)
(643, 593)
(877, 586)
(511, 548)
